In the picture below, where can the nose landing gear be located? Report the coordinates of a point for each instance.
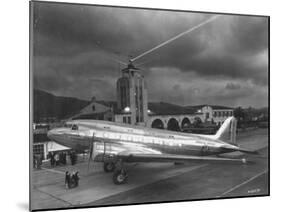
(108, 166)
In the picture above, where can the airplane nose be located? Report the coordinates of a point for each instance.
(52, 134)
(55, 134)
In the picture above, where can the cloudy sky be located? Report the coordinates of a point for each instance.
(224, 62)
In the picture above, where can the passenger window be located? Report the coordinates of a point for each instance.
(74, 127)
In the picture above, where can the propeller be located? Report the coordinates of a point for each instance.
(92, 147)
(104, 150)
(91, 150)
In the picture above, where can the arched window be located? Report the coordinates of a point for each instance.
(157, 123)
(173, 125)
(185, 123)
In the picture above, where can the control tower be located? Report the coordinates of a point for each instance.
(132, 96)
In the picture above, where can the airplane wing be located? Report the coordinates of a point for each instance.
(129, 152)
(141, 157)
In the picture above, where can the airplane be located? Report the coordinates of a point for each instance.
(116, 143)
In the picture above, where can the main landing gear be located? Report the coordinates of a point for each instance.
(120, 176)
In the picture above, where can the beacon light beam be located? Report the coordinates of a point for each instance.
(177, 36)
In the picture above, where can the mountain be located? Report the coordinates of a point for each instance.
(46, 105)
(213, 106)
(49, 106)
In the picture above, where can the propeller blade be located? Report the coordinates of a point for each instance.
(104, 151)
(91, 150)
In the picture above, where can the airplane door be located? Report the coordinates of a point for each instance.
(97, 151)
(100, 150)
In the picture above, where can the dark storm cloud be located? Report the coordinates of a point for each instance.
(80, 28)
(232, 86)
(229, 47)
(75, 47)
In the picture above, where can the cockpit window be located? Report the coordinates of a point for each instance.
(74, 127)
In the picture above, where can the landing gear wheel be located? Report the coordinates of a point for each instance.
(108, 167)
(120, 177)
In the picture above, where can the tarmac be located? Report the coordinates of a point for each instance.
(156, 182)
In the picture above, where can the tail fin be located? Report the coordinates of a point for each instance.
(227, 131)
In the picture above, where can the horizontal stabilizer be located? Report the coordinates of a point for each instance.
(241, 150)
(248, 151)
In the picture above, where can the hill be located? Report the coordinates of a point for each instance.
(46, 105)
(49, 106)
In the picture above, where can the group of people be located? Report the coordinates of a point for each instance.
(60, 158)
(71, 179)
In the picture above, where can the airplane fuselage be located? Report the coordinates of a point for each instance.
(121, 137)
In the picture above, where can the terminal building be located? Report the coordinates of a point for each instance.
(132, 107)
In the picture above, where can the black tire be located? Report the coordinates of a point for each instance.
(108, 167)
(119, 177)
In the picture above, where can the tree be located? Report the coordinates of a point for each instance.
(239, 114)
(197, 122)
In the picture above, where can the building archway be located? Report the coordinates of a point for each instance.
(157, 123)
(185, 123)
(173, 125)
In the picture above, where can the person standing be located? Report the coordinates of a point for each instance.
(34, 161)
(75, 157)
(64, 158)
(52, 159)
(67, 179)
(76, 179)
(40, 159)
(37, 161)
(71, 158)
(56, 159)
